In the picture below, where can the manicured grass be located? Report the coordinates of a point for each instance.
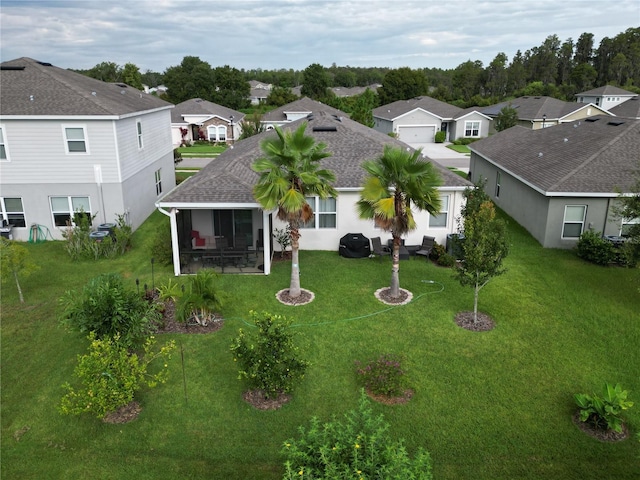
(460, 148)
(491, 405)
(201, 151)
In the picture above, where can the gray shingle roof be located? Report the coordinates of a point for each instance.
(606, 90)
(229, 178)
(627, 109)
(400, 107)
(42, 89)
(197, 106)
(302, 105)
(597, 155)
(533, 108)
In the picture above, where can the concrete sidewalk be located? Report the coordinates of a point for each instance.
(438, 152)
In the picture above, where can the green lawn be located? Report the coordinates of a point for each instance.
(460, 148)
(201, 151)
(491, 405)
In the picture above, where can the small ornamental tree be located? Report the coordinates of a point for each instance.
(359, 446)
(485, 243)
(269, 358)
(110, 376)
(15, 262)
(507, 118)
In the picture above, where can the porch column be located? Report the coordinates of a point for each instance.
(266, 242)
(175, 247)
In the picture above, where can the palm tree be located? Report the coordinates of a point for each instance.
(397, 180)
(290, 172)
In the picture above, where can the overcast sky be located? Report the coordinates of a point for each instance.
(275, 34)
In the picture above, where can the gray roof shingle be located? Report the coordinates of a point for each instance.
(533, 108)
(606, 90)
(597, 155)
(198, 106)
(429, 104)
(41, 89)
(229, 178)
(302, 105)
(627, 109)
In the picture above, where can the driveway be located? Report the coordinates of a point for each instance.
(446, 157)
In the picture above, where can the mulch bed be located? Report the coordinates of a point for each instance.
(171, 325)
(600, 433)
(484, 323)
(257, 399)
(124, 414)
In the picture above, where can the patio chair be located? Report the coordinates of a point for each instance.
(427, 246)
(378, 249)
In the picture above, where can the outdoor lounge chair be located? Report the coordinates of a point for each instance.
(378, 249)
(427, 246)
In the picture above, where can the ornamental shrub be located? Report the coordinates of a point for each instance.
(383, 376)
(605, 411)
(359, 446)
(268, 357)
(105, 306)
(595, 249)
(110, 376)
(437, 251)
(446, 260)
(440, 136)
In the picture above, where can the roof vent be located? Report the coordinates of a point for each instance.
(540, 154)
(122, 85)
(615, 123)
(566, 140)
(45, 64)
(31, 98)
(122, 92)
(337, 118)
(327, 128)
(11, 67)
(310, 116)
(592, 119)
(93, 93)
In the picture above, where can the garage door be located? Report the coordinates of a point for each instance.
(420, 134)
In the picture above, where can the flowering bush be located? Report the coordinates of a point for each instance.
(110, 376)
(383, 376)
(359, 447)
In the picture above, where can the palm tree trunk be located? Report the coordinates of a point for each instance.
(394, 290)
(294, 286)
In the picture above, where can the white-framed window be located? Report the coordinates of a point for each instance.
(63, 209)
(472, 128)
(627, 224)
(324, 213)
(75, 139)
(217, 133)
(13, 211)
(4, 150)
(440, 220)
(158, 176)
(498, 182)
(573, 222)
(139, 134)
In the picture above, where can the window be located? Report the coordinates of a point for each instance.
(62, 209)
(139, 132)
(627, 225)
(324, 213)
(13, 211)
(4, 154)
(217, 133)
(472, 129)
(440, 220)
(75, 139)
(498, 180)
(573, 220)
(158, 182)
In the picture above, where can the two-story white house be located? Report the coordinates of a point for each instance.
(70, 142)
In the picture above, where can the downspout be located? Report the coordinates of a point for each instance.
(175, 247)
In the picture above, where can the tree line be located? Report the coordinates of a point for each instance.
(555, 68)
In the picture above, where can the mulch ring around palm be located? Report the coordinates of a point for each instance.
(483, 324)
(604, 435)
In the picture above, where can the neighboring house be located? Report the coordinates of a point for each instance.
(296, 110)
(204, 119)
(352, 91)
(606, 97)
(628, 109)
(159, 90)
(541, 112)
(259, 92)
(71, 142)
(416, 121)
(559, 182)
(218, 201)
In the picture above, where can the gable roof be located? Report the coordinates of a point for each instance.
(229, 179)
(198, 106)
(33, 88)
(627, 109)
(398, 108)
(593, 156)
(304, 105)
(534, 107)
(606, 90)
